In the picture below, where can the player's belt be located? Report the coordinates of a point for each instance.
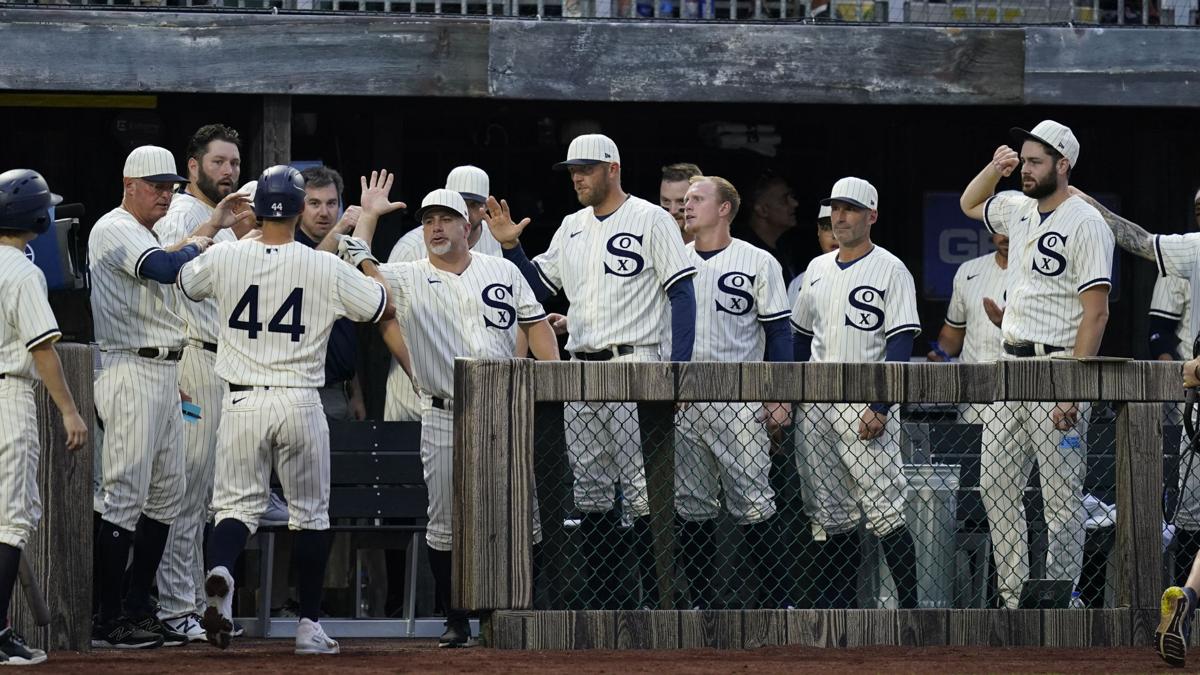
(248, 387)
(159, 353)
(606, 355)
(443, 403)
(206, 346)
(1024, 350)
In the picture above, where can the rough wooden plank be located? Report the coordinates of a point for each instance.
(980, 382)
(764, 628)
(874, 382)
(633, 630)
(931, 383)
(724, 61)
(551, 629)
(823, 382)
(1163, 381)
(273, 138)
(557, 381)
(651, 381)
(708, 381)
(1027, 380)
(762, 381)
(996, 628)
(1085, 628)
(595, 630)
(325, 54)
(60, 549)
(817, 627)
(508, 629)
(1139, 477)
(1132, 66)
(922, 627)
(1075, 380)
(718, 629)
(867, 627)
(628, 381)
(521, 502)
(1122, 381)
(1142, 623)
(665, 629)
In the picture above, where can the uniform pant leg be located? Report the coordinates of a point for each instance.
(876, 469)
(302, 457)
(743, 450)
(164, 498)
(437, 460)
(1062, 463)
(401, 403)
(588, 439)
(245, 438)
(181, 573)
(835, 507)
(20, 503)
(626, 454)
(697, 490)
(1006, 458)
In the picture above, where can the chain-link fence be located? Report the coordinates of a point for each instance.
(847, 505)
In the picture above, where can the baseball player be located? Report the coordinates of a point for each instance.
(968, 332)
(825, 241)
(277, 300)
(741, 310)
(137, 393)
(28, 332)
(472, 183)
(672, 192)
(619, 260)
(456, 303)
(858, 304)
(214, 166)
(1061, 260)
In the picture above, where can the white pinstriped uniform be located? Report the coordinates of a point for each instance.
(181, 573)
(445, 316)
(401, 403)
(26, 321)
(850, 314)
(1177, 256)
(137, 398)
(975, 280)
(278, 304)
(615, 273)
(722, 445)
(1050, 262)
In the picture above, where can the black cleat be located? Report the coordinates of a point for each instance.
(120, 633)
(16, 652)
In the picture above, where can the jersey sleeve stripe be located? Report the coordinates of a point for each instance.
(802, 330)
(955, 324)
(137, 267)
(775, 316)
(383, 297)
(1158, 256)
(545, 279)
(908, 327)
(681, 274)
(1102, 281)
(49, 336)
(179, 283)
(1165, 314)
(986, 221)
(531, 319)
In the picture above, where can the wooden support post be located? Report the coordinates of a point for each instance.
(657, 424)
(273, 140)
(493, 485)
(60, 551)
(1139, 505)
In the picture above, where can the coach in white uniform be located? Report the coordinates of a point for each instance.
(278, 300)
(1060, 253)
(456, 303)
(137, 393)
(214, 166)
(858, 304)
(619, 260)
(741, 313)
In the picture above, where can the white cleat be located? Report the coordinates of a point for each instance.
(218, 616)
(311, 639)
(188, 625)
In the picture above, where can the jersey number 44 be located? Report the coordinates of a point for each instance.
(285, 320)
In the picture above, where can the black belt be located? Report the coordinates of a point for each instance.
(1026, 350)
(158, 353)
(606, 355)
(209, 346)
(443, 403)
(247, 387)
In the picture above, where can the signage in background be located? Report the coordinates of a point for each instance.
(951, 239)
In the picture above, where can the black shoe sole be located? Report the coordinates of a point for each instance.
(105, 644)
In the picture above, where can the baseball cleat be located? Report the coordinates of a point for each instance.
(188, 625)
(458, 634)
(120, 633)
(311, 639)
(16, 652)
(151, 624)
(218, 616)
(1172, 634)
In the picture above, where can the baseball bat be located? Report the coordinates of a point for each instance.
(33, 594)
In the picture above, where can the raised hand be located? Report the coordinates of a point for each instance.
(500, 221)
(995, 313)
(375, 201)
(1005, 160)
(234, 209)
(349, 219)
(355, 251)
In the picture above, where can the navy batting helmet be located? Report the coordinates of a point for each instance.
(280, 193)
(25, 201)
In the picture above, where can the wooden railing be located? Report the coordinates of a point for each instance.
(494, 456)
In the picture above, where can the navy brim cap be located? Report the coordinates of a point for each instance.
(472, 197)
(577, 162)
(1019, 134)
(165, 178)
(830, 200)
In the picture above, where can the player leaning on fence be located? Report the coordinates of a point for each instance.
(1060, 260)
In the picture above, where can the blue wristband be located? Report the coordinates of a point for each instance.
(937, 349)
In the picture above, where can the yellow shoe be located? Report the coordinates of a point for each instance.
(1171, 637)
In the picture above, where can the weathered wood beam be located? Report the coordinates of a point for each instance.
(1139, 505)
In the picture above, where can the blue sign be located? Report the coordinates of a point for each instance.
(44, 252)
(951, 239)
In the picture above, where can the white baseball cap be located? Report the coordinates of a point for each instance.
(152, 163)
(442, 198)
(590, 149)
(469, 181)
(854, 191)
(1053, 134)
(249, 188)
(825, 212)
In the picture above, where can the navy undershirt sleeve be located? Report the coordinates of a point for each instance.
(779, 339)
(801, 347)
(163, 267)
(1163, 339)
(516, 255)
(683, 319)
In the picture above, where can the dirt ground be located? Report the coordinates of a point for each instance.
(423, 656)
